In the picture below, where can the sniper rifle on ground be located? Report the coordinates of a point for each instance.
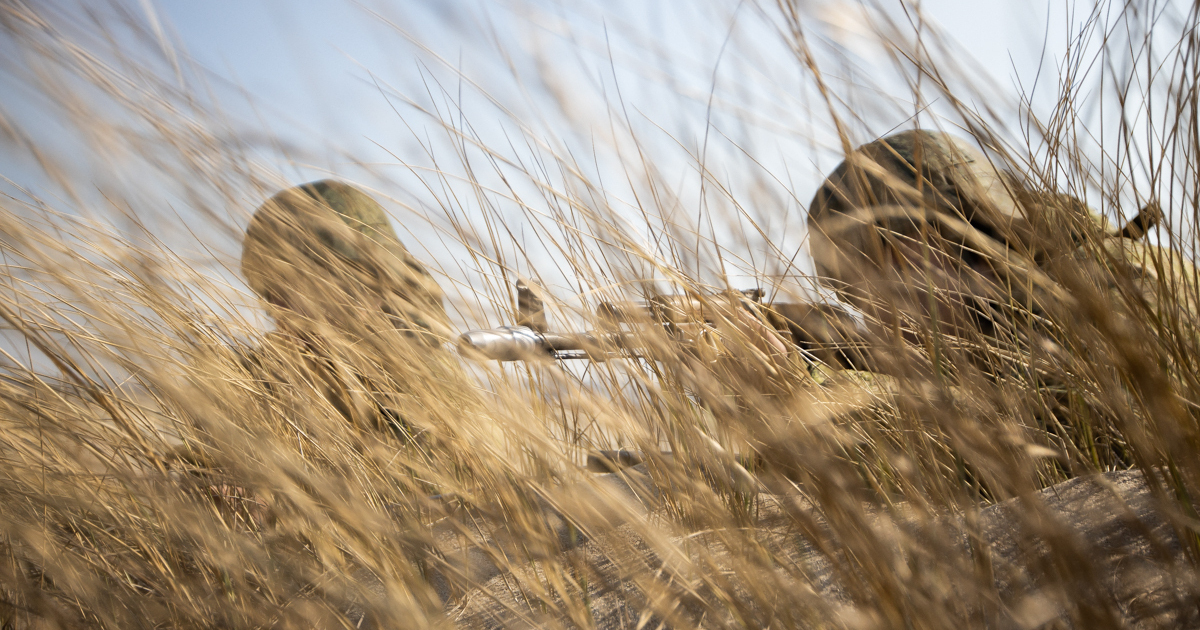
(822, 332)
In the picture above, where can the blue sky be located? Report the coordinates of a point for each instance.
(308, 65)
(318, 88)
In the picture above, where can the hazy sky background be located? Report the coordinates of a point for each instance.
(312, 71)
(315, 88)
(308, 65)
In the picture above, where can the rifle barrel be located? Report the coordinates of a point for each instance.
(824, 332)
(518, 343)
(507, 343)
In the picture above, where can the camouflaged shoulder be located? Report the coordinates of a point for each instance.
(1161, 277)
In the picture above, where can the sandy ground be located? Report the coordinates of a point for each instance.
(1109, 521)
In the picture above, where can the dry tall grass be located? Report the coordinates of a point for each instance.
(165, 462)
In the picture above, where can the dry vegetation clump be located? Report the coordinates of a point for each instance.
(1003, 437)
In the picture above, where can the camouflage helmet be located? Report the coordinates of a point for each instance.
(306, 241)
(918, 196)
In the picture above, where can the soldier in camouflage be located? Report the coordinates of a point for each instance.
(934, 244)
(340, 286)
(922, 227)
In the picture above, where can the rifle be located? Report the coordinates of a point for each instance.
(822, 332)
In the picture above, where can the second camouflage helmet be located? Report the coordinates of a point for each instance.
(335, 231)
(921, 201)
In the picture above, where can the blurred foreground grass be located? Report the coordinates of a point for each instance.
(152, 476)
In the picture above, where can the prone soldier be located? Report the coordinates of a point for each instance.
(347, 297)
(940, 248)
(923, 227)
(359, 322)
